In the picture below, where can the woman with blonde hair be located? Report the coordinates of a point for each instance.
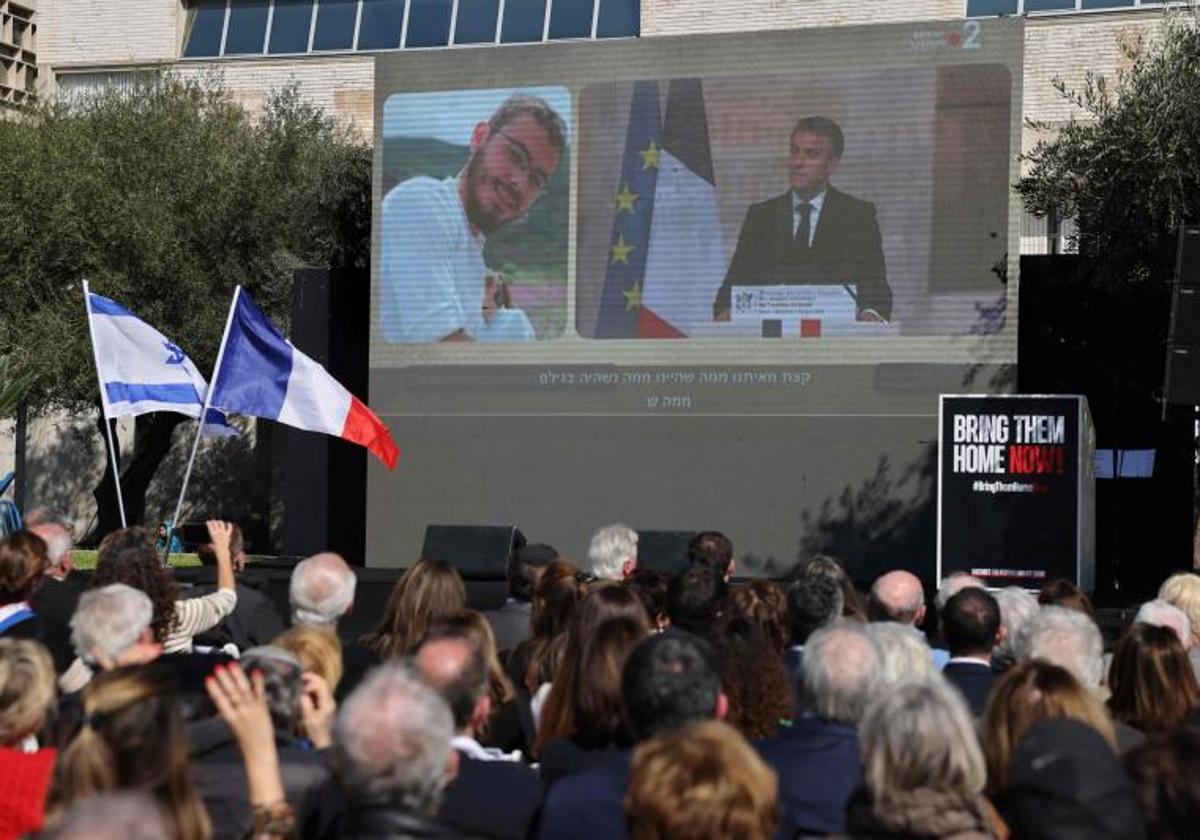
(1027, 693)
(1182, 590)
(923, 770)
(700, 781)
(319, 650)
(26, 697)
(429, 589)
(132, 738)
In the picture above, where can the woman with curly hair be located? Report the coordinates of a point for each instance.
(132, 738)
(755, 680)
(428, 590)
(127, 556)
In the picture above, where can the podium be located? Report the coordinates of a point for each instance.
(1016, 489)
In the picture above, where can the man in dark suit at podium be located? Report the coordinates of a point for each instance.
(813, 234)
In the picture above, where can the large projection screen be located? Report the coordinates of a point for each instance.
(698, 282)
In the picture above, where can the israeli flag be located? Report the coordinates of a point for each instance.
(141, 370)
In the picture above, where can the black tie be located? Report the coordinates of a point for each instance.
(804, 229)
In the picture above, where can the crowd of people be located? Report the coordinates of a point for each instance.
(601, 700)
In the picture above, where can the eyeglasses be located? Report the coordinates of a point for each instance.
(522, 161)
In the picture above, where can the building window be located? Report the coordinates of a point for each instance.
(256, 27)
(990, 8)
(291, 22)
(246, 32)
(335, 25)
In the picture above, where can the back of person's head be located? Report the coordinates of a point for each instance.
(473, 627)
(392, 741)
(1153, 686)
(23, 563)
(1162, 614)
(1017, 609)
(1067, 638)
(813, 602)
(896, 596)
(457, 670)
(573, 680)
(919, 736)
(613, 552)
(600, 715)
(1065, 782)
(128, 556)
(558, 593)
(822, 565)
(1165, 771)
(281, 670)
(1027, 693)
(671, 679)
(1183, 591)
(55, 528)
(954, 583)
(696, 597)
(237, 545)
(318, 649)
(905, 655)
(132, 739)
(523, 567)
(713, 548)
(763, 601)
(700, 781)
(27, 689)
(651, 585)
(109, 621)
(754, 678)
(970, 622)
(1062, 593)
(112, 816)
(842, 670)
(430, 588)
(321, 590)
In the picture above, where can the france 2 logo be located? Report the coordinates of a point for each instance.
(967, 39)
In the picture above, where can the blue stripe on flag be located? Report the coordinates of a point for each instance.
(626, 263)
(103, 306)
(140, 392)
(255, 367)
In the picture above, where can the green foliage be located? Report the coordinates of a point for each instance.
(14, 383)
(165, 196)
(1130, 169)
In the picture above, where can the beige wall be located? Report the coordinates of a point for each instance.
(678, 17)
(108, 33)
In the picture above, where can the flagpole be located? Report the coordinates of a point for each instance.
(208, 395)
(112, 449)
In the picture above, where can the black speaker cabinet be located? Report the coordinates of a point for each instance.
(664, 551)
(478, 552)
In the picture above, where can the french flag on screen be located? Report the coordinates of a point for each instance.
(261, 374)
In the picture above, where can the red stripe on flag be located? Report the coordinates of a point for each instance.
(364, 427)
(649, 325)
(810, 327)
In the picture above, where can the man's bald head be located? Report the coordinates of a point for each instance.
(58, 546)
(897, 596)
(321, 590)
(457, 670)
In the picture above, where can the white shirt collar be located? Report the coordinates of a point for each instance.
(473, 749)
(816, 202)
(974, 660)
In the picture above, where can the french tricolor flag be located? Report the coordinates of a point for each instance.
(261, 374)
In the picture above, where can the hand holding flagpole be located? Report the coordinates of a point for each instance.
(208, 395)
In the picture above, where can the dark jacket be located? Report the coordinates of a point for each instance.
(974, 680)
(588, 805)
(384, 822)
(220, 776)
(55, 603)
(510, 623)
(818, 767)
(253, 622)
(567, 756)
(498, 799)
(846, 248)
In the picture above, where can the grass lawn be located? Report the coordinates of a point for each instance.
(87, 560)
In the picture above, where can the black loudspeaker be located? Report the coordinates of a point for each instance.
(664, 551)
(478, 552)
(1181, 380)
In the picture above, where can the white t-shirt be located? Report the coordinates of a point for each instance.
(431, 266)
